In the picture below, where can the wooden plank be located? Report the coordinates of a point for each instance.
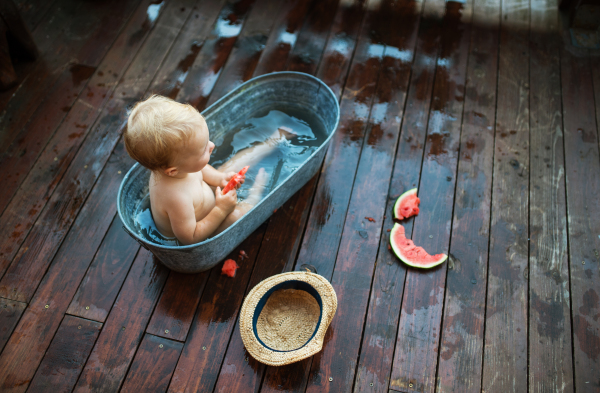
(33, 334)
(36, 251)
(326, 220)
(582, 171)
(105, 276)
(506, 326)
(341, 43)
(175, 310)
(461, 348)
(10, 313)
(248, 48)
(81, 112)
(416, 355)
(283, 37)
(91, 28)
(153, 365)
(381, 326)
(334, 368)
(66, 355)
(312, 39)
(124, 327)
(549, 305)
(186, 48)
(201, 77)
(200, 361)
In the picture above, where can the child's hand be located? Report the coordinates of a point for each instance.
(227, 176)
(225, 202)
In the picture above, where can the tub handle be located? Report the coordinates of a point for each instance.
(134, 238)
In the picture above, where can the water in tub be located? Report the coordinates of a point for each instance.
(288, 155)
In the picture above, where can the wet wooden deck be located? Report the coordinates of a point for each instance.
(481, 104)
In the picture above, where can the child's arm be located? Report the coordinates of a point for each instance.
(213, 177)
(183, 218)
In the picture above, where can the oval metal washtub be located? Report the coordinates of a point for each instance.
(293, 89)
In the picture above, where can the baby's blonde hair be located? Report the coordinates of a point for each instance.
(157, 128)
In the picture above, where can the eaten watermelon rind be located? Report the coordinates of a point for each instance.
(398, 252)
(399, 201)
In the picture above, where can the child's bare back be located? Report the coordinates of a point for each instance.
(172, 140)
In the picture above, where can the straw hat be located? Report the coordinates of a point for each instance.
(284, 318)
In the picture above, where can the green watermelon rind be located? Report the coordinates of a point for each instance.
(398, 253)
(399, 200)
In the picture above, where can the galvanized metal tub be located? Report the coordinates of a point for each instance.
(289, 88)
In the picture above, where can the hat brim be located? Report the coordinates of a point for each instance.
(258, 294)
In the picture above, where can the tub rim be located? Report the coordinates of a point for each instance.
(271, 75)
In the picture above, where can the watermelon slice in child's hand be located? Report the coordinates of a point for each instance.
(235, 180)
(229, 268)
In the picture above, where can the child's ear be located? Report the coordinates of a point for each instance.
(172, 171)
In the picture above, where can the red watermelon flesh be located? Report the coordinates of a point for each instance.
(407, 205)
(229, 268)
(409, 253)
(235, 180)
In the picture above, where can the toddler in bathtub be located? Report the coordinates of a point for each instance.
(172, 140)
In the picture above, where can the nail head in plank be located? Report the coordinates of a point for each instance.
(153, 365)
(124, 328)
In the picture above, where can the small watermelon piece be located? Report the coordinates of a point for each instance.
(407, 205)
(410, 254)
(229, 268)
(235, 180)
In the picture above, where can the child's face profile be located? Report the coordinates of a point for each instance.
(196, 152)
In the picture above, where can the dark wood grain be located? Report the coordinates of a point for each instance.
(326, 220)
(582, 174)
(283, 37)
(105, 276)
(175, 310)
(505, 345)
(33, 334)
(417, 345)
(10, 313)
(124, 327)
(248, 48)
(36, 251)
(339, 50)
(381, 325)
(80, 34)
(215, 319)
(355, 264)
(311, 41)
(461, 348)
(549, 306)
(206, 68)
(153, 365)
(66, 355)
(38, 158)
(184, 51)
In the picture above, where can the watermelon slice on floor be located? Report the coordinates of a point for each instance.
(229, 268)
(235, 180)
(410, 254)
(407, 205)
